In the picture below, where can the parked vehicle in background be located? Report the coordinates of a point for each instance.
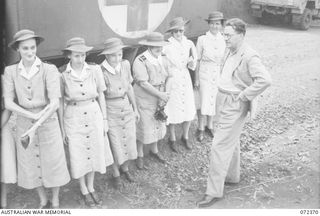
(299, 13)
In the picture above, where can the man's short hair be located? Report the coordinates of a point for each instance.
(238, 25)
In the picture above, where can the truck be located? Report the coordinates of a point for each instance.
(299, 13)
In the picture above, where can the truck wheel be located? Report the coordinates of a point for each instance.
(304, 20)
(265, 19)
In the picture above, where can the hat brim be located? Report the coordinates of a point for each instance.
(113, 50)
(14, 44)
(177, 26)
(159, 44)
(78, 48)
(215, 19)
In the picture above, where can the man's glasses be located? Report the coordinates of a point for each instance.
(228, 36)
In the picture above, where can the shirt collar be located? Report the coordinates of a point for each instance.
(153, 60)
(33, 70)
(217, 36)
(175, 41)
(83, 73)
(111, 69)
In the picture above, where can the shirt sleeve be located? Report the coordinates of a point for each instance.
(200, 47)
(52, 80)
(62, 85)
(8, 84)
(140, 73)
(128, 70)
(101, 85)
(194, 55)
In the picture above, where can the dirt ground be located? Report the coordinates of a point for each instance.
(280, 148)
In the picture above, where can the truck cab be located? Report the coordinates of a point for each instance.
(299, 13)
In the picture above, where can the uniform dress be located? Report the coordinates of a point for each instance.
(83, 121)
(146, 68)
(121, 118)
(8, 155)
(210, 49)
(181, 105)
(43, 162)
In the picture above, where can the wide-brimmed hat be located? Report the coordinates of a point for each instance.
(112, 45)
(77, 44)
(154, 39)
(177, 23)
(215, 16)
(22, 35)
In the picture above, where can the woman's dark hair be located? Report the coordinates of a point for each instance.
(66, 53)
(238, 25)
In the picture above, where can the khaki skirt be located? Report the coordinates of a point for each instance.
(43, 162)
(122, 129)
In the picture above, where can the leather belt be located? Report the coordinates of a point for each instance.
(81, 103)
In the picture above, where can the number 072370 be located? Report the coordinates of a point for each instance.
(309, 212)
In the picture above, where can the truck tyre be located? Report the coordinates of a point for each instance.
(304, 20)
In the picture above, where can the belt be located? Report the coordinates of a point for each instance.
(35, 108)
(117, 98)
(81, 103)
(228, 92)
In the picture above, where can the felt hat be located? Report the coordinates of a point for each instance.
(154, 39)
(23, 35)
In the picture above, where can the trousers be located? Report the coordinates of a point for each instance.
(225, 151)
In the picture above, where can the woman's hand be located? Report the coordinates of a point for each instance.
(65, 138)
(137, 115)
(164, 96)
(105, 126)
(37, 116)
(196, 84)
(191, 64)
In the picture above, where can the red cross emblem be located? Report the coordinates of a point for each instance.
(132, 18)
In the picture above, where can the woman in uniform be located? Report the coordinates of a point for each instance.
(122, 110)
(210, 47)
(84, 117)
(151, 78)
(36, 87)
(181, 106)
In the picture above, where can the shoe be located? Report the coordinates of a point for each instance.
(96, 198)
(128, 176)
(88, 201)
(158, 157)
(207, 201)
(139, 162)
(210, 132)
(173, 146)
(46, 206)
(117, 182)
(200, 135)
(186, 143)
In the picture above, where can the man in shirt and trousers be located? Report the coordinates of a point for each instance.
(242, 78)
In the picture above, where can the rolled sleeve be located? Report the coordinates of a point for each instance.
(8, 87)
(200, 47)
(101, 86)
(128, 70)
(53, 82)
(140, 73)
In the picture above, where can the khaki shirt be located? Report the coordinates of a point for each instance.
(76, 89)
(117, 82)
(34, 92)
